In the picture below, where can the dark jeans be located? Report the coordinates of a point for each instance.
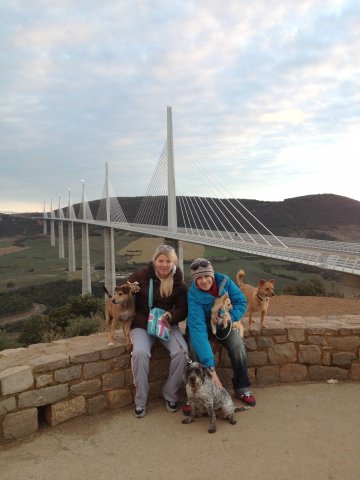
(235, 347)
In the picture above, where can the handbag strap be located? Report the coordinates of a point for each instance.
(151, 292)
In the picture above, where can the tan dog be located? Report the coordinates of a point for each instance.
(257, 298)
(222, 305)
(120, 307)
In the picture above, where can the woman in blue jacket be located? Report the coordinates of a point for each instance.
(206, 286)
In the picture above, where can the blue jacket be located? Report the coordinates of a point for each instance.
(199, 314)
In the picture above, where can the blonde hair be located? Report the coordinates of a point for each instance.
(166, 284)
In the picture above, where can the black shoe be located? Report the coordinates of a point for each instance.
(171, 407)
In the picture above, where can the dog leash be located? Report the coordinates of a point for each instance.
(222, 311)
(189, 361)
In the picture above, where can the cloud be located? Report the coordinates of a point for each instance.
(256, 91)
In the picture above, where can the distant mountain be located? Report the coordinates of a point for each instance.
(324, 216)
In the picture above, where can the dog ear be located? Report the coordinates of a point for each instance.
(262, 282)
(272, 281)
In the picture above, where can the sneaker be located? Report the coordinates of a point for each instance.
(186, 409)
(140, 411)
(171, 407)
(247, 398)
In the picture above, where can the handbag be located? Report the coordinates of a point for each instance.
(156, 326)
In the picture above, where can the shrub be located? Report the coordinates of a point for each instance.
(7, 342)
(315, 287)
(83, 326)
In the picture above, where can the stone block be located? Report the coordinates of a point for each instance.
(7, 405)
(45, 363)
(62, 411)
(97, 404)
(321, 331)
(257, 358)
(268, 374)
(158, 369)
(264, 342)
(43, 380)
(111, 381)
(355, 371)
(280, 338)
(67, 374)
(16, 379)
(292, 372)
(326, 358)
(310, 354)
(129, 380)
(155, 391)
(118, 398)
(327, 373)
(87, 387)
(112, 352)
(120, 363)
(283, 353)
(20, 424)
(96, 369)
(316, 340)
(343, 358)
(273, 331)
(343, 343)
(296, 334)
(43, 396)
(85, 356)
(250, 343)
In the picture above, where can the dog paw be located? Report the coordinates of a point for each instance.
(110, 344)
(187, 420)
(212, 430)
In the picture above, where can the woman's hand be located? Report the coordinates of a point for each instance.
(166, 319)
(216, 380)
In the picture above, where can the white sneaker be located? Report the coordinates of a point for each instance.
(139, 411)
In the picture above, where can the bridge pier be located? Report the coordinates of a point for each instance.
(72, 263)
(110, 280)
(85, 264)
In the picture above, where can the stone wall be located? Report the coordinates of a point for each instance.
(82, 376)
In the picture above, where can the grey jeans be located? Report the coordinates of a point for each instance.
(140, 359)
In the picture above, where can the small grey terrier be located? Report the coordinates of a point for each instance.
(206, 398)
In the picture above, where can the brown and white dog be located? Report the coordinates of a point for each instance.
(257, 297)
(120, 307)
(206, 398)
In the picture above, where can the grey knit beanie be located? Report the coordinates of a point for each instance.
(201, 267)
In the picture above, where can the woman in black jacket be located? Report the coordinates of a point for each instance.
(170, 294)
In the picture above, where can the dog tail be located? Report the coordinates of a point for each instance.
(239, 277)
(241, 409)
(106, 291)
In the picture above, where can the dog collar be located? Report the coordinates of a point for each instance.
(261, 299)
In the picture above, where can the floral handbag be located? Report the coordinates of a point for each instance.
(156, 325)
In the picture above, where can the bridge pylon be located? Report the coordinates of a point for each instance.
(85, 257)
(109, 249)
(172, 212)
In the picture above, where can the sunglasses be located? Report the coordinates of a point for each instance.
(201, 263)
(165, 247)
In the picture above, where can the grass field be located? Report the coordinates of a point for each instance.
(38, 262)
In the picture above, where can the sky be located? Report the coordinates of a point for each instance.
(265, 97)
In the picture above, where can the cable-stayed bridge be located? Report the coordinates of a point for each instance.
(216, 219)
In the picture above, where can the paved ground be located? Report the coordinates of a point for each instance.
(296, 432)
